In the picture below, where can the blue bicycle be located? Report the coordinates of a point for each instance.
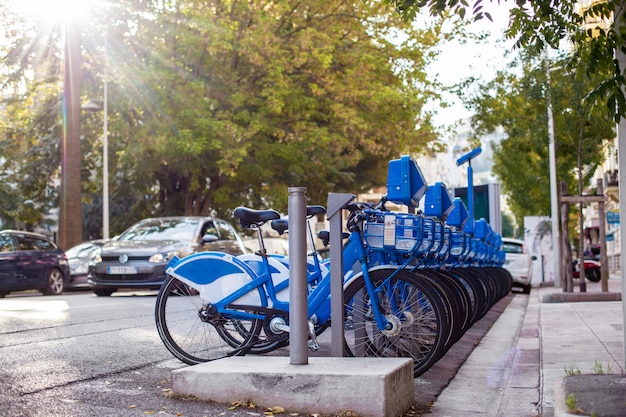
(215, 305)
(413, 283)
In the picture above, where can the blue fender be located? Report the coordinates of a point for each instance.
(278, 269)
(219, 278)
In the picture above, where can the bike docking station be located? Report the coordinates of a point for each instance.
(371, 387)
(401, 288)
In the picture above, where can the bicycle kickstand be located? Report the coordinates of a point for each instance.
(313, 345)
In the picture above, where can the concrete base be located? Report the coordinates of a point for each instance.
(573, 297)
(371, 387)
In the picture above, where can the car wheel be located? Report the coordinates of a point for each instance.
(3, 294)
(104, 292)
(526, 289)
(54, 283)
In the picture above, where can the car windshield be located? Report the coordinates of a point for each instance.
(161, 229)
(83, 249)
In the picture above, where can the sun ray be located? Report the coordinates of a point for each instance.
(55, 11)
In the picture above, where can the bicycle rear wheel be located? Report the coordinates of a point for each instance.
(420, 327)
(193, 332)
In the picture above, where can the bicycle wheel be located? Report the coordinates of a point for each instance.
(450, 299)
(193, 332)
(417, 315)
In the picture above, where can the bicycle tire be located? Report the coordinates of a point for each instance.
(192, 339)
(463, 295)
(424, 326)
(450, 301)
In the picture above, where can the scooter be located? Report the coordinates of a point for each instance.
(592, 270)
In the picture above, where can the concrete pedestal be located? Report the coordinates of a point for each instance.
(371, 387)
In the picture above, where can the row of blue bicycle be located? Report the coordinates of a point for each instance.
(413, 282)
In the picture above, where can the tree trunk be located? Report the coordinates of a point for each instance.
(70, 210)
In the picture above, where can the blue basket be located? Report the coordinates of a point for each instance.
(457, 244)
(392, 231)
(428, 236)
(437, 237)
(445, 247)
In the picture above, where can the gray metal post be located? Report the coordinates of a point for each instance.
(604, 264)
(298, 314)
(621, 151)
(336, 202)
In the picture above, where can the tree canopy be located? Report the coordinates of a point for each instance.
(537, 23)
(213, 104)
(516, 100)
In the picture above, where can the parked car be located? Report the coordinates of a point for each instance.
(78, 258)
(30, 261)
(518, 262)
(136, 259)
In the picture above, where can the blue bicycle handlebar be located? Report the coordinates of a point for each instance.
(468, 156)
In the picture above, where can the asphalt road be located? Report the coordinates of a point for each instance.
(82, 355)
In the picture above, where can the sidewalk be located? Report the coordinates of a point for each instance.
(530, 360)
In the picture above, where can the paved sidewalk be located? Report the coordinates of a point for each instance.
(520, 364)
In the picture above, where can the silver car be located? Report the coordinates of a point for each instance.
(136, 259)
(518, 262)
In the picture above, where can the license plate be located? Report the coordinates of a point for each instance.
(120, 270)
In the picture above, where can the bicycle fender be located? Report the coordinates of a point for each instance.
(278, 269)
(216, 276)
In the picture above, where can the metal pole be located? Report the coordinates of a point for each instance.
(621, 151)
(470, 224)
(554, 197)
(105, 153)
(298, 313)
(336, 203)
(604, 264)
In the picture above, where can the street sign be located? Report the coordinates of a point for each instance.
(612, 217)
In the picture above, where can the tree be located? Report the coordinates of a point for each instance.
(214, 104)
(541, 23)
(238, 101)
(518, 104)
(508, 226)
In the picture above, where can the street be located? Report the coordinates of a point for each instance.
(82, 355)
(79, 355)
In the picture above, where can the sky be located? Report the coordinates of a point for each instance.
(458, 61)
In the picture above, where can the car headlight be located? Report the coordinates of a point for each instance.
(96, 257)
(161, 257)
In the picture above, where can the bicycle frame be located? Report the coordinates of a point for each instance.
(215, 289)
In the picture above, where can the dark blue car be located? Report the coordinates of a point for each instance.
(30, 261)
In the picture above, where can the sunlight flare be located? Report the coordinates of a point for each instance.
(55, 11)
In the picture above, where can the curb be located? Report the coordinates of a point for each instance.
(581, 297)
(560, 409)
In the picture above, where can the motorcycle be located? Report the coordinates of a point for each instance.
(592, 269)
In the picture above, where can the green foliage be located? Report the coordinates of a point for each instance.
(215, 104)
(535, 24)
(517, 103)
(508, 227)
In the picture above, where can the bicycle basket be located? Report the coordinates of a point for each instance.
(388, 231)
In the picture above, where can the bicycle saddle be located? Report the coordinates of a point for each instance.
(248, 217)
(280, 225)
(313, 210)
(324, 236)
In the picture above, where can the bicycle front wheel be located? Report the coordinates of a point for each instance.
(415, 311)
(194, 333)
